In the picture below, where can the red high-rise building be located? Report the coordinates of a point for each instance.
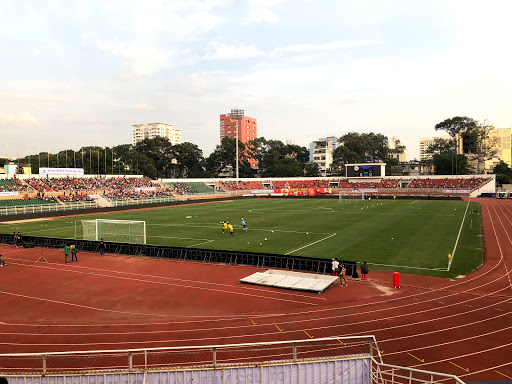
(247, 130)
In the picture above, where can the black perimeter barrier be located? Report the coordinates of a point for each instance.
(261, 260)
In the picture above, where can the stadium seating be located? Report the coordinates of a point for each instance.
(12, 185)
(26, 202)
(241, 185)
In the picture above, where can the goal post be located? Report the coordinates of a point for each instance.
(115, 231)
(352, 195)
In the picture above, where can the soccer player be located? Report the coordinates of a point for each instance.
(2, 262)
(244, 225)
(224, 227)
(73, 253)
(230, 229)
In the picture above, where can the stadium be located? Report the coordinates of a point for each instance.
(174, 298)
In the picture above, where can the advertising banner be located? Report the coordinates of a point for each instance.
(456, 191)
(9, 193)
(61, 171)
(263, 191)
(138, 189)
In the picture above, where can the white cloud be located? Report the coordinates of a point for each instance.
(332, 46)
(261, 15)
(241, 51)
(113, 47)
(10, 120)
(224, 52)
(260, 12)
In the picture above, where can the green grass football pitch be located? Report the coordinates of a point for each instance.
(412, 236)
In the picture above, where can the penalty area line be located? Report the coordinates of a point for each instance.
(298, 249)
(207, 241)
(409, 267)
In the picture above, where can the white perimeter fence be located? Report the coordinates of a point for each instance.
(347, 360)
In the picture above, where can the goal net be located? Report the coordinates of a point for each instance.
(116, 231)
(353, 195)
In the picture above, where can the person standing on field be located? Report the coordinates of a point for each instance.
(102, 247)
(342, 272)
(73, 253)
(364, 271)
(66, 254)
(335, 265)
(231, 230)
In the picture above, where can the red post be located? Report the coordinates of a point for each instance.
(396, 280)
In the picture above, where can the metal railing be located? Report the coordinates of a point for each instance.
(77, 205)
(145, 200)
(42, 208)
(391, 374)
(195, 357)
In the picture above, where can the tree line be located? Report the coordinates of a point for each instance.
(158, 158)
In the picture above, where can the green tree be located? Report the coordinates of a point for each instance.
(188, 160)
(456, 126)
(223, 158)
(286, 167)
(311, 169)
(160, 150)
(481, 144)
(361, 148)
(443, 164)
(503, 173)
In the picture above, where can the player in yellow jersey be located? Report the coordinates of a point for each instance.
(230, 229)
(224, 227)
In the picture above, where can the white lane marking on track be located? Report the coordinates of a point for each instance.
(501, 252)
(165, 283)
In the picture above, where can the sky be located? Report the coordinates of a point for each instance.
(75, 73)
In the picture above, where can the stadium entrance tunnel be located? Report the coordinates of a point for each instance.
(261, 260)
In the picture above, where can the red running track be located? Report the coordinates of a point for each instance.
(461, 327)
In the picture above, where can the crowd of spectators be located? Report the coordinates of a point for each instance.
(38, 184)
(182, 188)
(292, 184)
(74, 197)
(472, 183)
(12, 185)
(241, 185)
(89, 183)
(384, 183)
(40, 197)
(135, 195)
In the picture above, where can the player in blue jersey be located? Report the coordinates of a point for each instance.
(244, 225)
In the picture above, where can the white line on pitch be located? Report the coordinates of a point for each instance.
(193, 245)
(406, 266)
(458, 236)
(298, 249)
(180, 238)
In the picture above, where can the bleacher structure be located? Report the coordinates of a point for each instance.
(31, 195)
(347, 360)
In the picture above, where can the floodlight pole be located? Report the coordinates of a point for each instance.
(237, 115)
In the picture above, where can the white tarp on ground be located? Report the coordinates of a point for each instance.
(291, 280)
